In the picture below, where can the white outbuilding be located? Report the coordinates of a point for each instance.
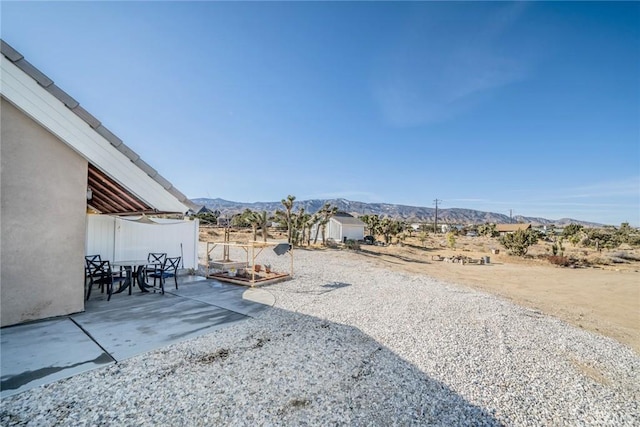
(341, 227)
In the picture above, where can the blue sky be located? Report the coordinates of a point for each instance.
(530, 107)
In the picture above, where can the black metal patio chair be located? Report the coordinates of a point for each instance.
(100, 273)
(155, 259)
(168, 269)
(88, 272)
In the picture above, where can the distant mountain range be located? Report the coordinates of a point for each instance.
(407, 213)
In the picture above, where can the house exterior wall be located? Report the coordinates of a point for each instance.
(43, 205)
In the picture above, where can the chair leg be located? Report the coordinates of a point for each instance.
(109, 291)
(162, 285)
(175, 277)
(88, 292)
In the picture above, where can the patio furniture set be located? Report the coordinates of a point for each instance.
(129, 273)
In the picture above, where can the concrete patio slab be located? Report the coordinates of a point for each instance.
(106, 332)
(43, 352)
(250, 302)
(156, 321)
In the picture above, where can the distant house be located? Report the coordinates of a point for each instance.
(510, 228)
(341, 227)
(204, 210)
(60, 168)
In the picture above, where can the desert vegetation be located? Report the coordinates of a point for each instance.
(573, 246)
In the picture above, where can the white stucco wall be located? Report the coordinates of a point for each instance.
(43, 206)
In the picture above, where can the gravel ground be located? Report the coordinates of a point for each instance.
(348, 343)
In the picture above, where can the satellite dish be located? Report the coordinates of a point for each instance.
(282, 248)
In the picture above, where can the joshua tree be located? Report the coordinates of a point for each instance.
(254, 220)
(326, 212)
(373, 224)
(299, 221)
(311, 221)
(301, 225)
(387, 228)
(262, 220)
(409, 229)
(288, 205)
(487, 229)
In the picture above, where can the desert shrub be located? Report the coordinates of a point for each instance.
(451, 240)
(571, 230)
(600, 261)
(330, 243)
(576, 239)
(352, 244)
(518, 242)
(602, 238)
(423, 236)
(557, 247)
(561, 261)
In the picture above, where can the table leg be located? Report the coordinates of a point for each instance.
(140, 278)
(127, 283)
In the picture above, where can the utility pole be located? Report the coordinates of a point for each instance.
(435, 225)
(510, 213)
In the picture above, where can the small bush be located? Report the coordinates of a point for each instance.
(331, 243)
(451, 240)
(352, 244)
(561, 261)
(600, 261)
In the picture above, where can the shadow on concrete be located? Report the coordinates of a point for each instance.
(107, 332)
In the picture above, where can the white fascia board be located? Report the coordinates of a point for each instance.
(26, 94)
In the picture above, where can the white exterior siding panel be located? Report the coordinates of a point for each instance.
(117, 239)
(100, 236)
(354, 232)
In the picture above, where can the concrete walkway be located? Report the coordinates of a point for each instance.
(110, 331)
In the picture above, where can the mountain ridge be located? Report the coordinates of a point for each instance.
(395, 211)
